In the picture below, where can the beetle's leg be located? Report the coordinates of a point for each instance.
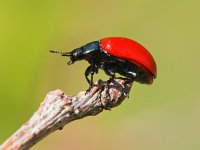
(111, 73)
(108, 70)
(94, 69)
(87, 72)
(90, 70)
(130, 77)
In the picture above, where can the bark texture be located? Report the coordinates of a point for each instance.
(59, 109)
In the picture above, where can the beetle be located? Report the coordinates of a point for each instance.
(115, 55)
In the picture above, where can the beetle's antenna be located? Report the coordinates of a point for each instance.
(60, 53)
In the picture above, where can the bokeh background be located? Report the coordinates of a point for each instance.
(162, 116)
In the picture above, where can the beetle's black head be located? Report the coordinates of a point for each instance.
(74, 55)
(85, 52)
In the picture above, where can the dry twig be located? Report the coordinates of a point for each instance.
(58, 109)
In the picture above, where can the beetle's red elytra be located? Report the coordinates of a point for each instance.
(127, 49)
(115, 55)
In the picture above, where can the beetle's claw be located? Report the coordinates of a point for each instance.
(70, 62)
(88, 90)
(126, 93)
(127, 81)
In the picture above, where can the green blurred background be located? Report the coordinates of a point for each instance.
(159, 117)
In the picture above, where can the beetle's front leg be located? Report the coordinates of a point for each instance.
(87, 72)
(90, 70)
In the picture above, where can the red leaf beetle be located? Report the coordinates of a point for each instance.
(115, 55)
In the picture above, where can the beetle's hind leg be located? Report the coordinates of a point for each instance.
(111, 73)
(129, 77)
